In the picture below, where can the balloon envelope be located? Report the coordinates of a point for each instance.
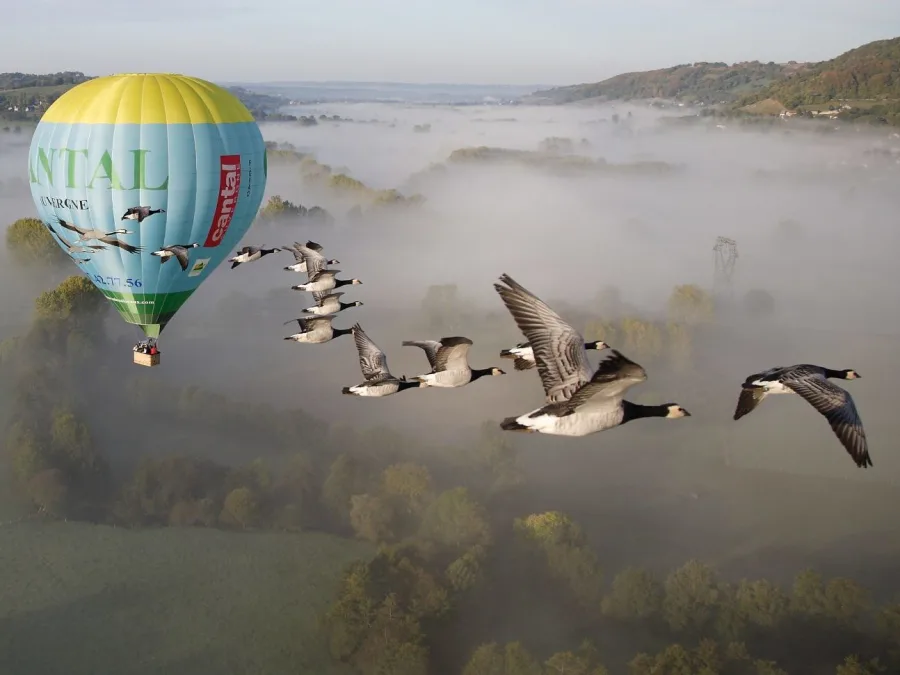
(167, 160)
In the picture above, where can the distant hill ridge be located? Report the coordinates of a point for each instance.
(869, 73)
(25, 96)
(701, 82)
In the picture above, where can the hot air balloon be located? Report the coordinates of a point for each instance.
(147, 181)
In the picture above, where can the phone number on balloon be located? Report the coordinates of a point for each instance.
(115, 282)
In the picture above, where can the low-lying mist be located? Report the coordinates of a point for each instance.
(601, 211)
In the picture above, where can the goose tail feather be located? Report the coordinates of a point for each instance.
(511, 424)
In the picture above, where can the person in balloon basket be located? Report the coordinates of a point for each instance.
(146, 348)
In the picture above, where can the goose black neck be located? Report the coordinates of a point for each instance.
(480, 372)
(837, 374)
(341, 282)
(635, 411)
(408, 384)
(345, 305)
(337, 332)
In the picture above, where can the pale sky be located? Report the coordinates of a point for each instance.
(446, 41)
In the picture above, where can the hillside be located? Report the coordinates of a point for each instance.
(700, 82)
(24, 96)
(865, 79)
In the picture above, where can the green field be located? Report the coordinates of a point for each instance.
(86, 599)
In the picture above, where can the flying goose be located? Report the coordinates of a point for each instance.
(140, 213)
(86, 235)
(329, 304)
(811, 382)
(597, 405)
(309, 258)
(317, 330)
(324, 280)
(373, 363)
(524, 354)
(72, 249)
(249, 254)
(178, 251)
(449, 363)
(579, 402)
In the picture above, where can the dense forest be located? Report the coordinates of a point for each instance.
(456, 533)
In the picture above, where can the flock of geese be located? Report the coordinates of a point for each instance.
(579, 399)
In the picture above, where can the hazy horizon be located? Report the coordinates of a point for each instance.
(519, 43)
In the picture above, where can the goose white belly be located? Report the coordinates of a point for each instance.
(321, 311)
(581, 423)
(447, 378)
(315, 286)
(312, 337)
(380, 389)
(297, 267)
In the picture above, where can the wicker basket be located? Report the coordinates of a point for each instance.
(148, 360)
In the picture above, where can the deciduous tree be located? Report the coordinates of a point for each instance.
(240, 508)
(635, 595)
(456, 520)
(29, 240)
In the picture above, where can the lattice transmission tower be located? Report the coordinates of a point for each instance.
(726, 255)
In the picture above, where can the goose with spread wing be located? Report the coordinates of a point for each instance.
(72, 249)
(140, 213)
(324, 280)
(811, 382)
(181, 253)
(316, 330)
(578, 401)
(304, 253)
(373, 363)
(250, 254)
(523, 354)
(449, 362)
(90, 234)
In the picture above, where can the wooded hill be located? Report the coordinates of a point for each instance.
(701, 82)
(864, 81)
(25, 96)
(866, 77)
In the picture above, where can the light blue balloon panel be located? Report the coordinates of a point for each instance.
(148, 182)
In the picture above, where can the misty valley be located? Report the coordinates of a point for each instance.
(232, 511)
